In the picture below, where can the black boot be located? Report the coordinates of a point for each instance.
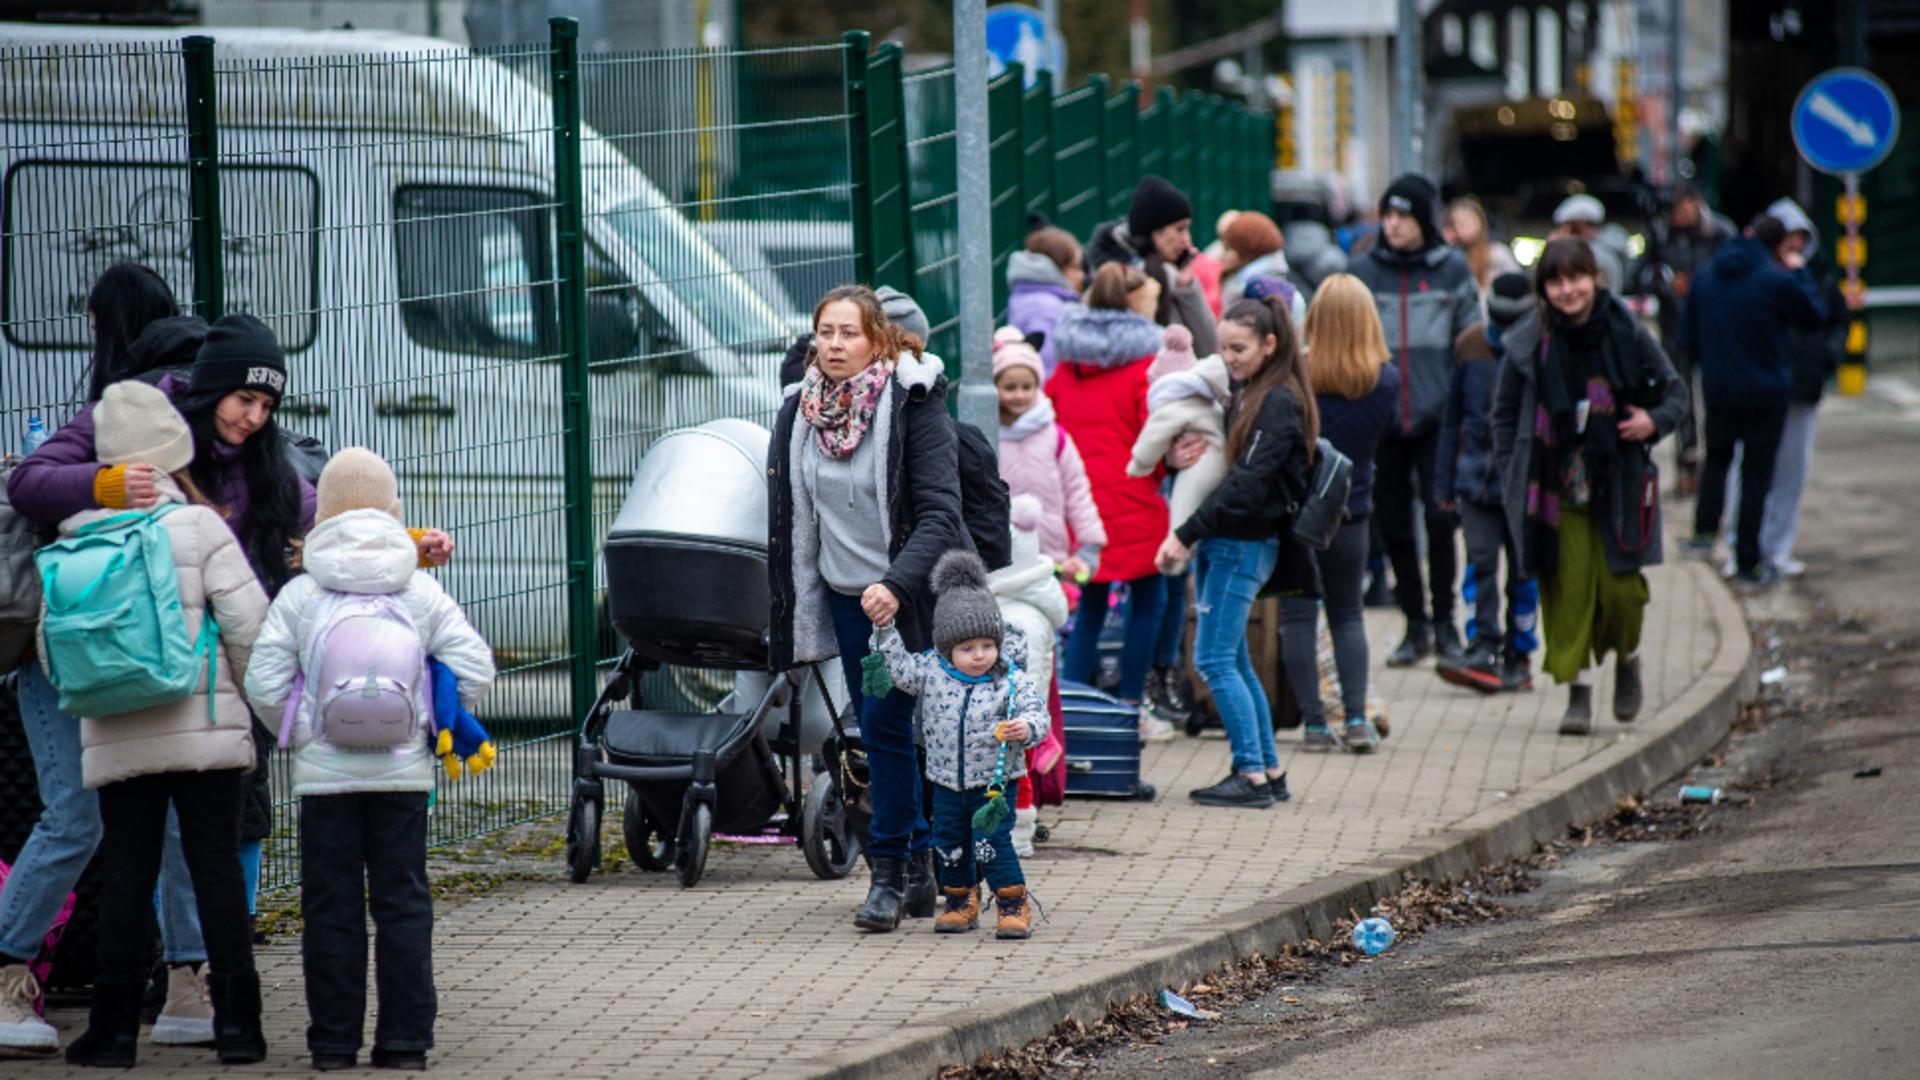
(922, 891)
(237, 1037)
(885, 896)
(1578, 719)
(1446, 641)
(1415, 647)
(1627, 691)
(112, 1037)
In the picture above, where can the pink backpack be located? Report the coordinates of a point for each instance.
(369, 675)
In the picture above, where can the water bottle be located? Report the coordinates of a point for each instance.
(36, 434)
(1373, 936)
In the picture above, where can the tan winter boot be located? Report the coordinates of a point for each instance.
(20, 1027)
(1016, 913)
(187, 1019)
(962, 914)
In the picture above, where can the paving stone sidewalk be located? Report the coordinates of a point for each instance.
(759, 972)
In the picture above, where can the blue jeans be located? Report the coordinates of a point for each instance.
(1146, 597)
(64, 839)
(1232, 573)
(1173, 620)
(961, 859)
(886, 731)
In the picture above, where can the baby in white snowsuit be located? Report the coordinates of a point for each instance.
(1185, 397)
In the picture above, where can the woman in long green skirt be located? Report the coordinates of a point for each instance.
(1583, 395)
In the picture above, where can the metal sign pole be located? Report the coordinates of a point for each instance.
(978, 404)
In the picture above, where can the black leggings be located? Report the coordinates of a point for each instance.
(1404, 472)
(1343, 569)
(133, 815)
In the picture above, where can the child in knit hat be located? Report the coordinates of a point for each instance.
(1185, 396)
(979, 712)
(144, 751)
(1039, 458)
(346, 660)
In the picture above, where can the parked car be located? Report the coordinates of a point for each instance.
(792, 263)
(389, 207)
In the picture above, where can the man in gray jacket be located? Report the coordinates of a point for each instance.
(1426, 296)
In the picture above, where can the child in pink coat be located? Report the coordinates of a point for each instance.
(1038, 458)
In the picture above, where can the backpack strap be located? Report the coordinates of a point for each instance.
(293, 706)
(1059, 442)
(128, 518)
(209, 640)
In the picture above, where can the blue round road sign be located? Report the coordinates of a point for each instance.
(1845, 121)
(1018, 34)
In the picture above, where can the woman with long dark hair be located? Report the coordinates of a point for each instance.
(123, 302)
(1241, 532)
(1583, 394)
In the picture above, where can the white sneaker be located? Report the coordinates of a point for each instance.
(1025, 820)
(1154, 729)
(20, 1027)
(187, 1017)
(1790, 567)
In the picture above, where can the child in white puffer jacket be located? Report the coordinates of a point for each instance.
(363, 794)
(1185, 396)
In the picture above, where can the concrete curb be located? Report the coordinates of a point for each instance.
(1688, 726)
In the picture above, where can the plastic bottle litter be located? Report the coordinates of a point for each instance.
(1695, 794)
(36, 434)
(1373, 936)
(1180, 1006)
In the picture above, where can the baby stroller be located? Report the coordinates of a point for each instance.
(687, 588)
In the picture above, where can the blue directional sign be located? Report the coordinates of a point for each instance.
(1845, 121)
(1018, 34)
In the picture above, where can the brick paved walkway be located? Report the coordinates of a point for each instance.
(759, 972)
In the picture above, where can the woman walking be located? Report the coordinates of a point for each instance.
(1241, 533)
(1584, 393)
(863, 496)
(1355, 391)
(1099, 394)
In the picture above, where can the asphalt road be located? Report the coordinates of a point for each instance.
(1782, 941)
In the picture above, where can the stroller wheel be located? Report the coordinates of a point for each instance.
(692, 849)
(583, 839)
(649, 843)
(825, 838)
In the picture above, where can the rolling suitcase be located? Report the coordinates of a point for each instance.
(1103, 745)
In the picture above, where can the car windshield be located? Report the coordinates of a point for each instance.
(696, 274)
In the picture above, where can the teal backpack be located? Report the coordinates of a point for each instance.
(114, 637)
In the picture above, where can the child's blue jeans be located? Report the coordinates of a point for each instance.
(961, 859)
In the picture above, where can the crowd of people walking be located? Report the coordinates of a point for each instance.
(1164, 416)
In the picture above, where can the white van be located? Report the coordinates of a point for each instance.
(389, 208)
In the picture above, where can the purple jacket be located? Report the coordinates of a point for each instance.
(55, 482)
(1036, 295)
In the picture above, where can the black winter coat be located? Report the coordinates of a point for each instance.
(923, 506)
(1262, 492)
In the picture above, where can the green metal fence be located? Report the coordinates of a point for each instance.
(510, 271)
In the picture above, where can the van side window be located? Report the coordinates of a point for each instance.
(474, 267)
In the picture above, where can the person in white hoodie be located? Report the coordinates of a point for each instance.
(363, 801)
(191, 753)
(1031, 598)
(1185, 397)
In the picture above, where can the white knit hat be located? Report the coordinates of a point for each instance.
(137, 423)
(356, 479)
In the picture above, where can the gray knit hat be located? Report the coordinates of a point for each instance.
(135, 422)
(963, 605)
(904, 312)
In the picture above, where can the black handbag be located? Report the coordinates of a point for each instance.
(1324, 509)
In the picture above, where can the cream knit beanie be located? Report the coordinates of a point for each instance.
(357, 479)
(136, 423)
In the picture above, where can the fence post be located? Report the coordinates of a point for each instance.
(857, 44)
(203, 179)
(577, 435)
(1099, 82)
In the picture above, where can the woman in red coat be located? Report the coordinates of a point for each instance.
(1099, 393)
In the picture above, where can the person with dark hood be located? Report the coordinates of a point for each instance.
(1157, 237)
(1736, 324)
(126, 299)
(1583, 394)
(1426, 295)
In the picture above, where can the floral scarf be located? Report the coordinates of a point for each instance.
(841, 412)
(1594, 362)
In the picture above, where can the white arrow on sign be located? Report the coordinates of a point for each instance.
(1859, 131)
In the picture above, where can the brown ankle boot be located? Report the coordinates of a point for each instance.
(1016, 913)
(962, 914)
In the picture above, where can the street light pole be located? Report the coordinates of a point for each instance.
(978, 404)
(1676, 61)
(1408, 115)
